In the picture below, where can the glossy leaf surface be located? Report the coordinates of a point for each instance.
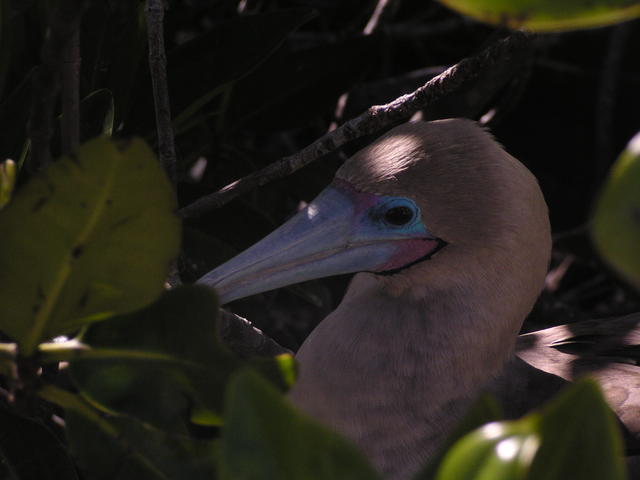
(484, 410)
(574, 436)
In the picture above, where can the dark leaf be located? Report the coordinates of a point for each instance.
(125, 449)
(164, 364)
(264, 438)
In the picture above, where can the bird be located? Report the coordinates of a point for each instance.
(449, 239)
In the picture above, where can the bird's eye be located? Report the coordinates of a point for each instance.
(398, 216)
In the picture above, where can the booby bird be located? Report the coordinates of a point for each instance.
(450, 241)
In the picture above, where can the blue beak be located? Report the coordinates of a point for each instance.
(333, 235)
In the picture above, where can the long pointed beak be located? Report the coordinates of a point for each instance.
(320, 241)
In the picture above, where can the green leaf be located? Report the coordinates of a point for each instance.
(163, 364)
(484, 410)
(7, 180)
(580, 437)
(496, 451)
(574, 436)
(88, 237)
(117, 447)
(160, 363)
(137, 451)
(32, 451)
(615, 229)
(548, 15)
(264, 438)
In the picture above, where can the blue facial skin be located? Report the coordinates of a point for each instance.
(341, 231)
(378, 222)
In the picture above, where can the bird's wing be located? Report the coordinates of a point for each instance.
(606, 349)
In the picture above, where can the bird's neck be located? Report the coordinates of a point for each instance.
(398, 373)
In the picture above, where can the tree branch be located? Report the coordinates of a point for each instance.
(70, 121)
(46, 84)
(373, 120)
(244, 339)
(158, 68)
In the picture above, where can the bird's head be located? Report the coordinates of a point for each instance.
(426, 200)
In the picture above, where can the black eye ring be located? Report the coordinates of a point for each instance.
(398, 216)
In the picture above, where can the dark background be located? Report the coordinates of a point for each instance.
(566, 111)
(565, 108)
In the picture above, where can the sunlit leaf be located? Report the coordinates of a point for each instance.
(548, 15)
(574, 436)
(484, 410)
(496, 451)
(265, 438)
(616, 220)
(88, 237)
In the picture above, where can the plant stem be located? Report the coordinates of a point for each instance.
(158, 68)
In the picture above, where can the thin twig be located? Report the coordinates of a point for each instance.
(373, 120)
(383, 7)
(158, 68)
(46, 83)
(70, 121)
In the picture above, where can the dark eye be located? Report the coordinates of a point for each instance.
(398, 216)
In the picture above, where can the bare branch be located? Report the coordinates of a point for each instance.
(46, 84)
(244, 339)
(376, 118)
(158, 68)
(70, 121)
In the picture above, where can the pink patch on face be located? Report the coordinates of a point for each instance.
(408, 251)
(361, 201)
